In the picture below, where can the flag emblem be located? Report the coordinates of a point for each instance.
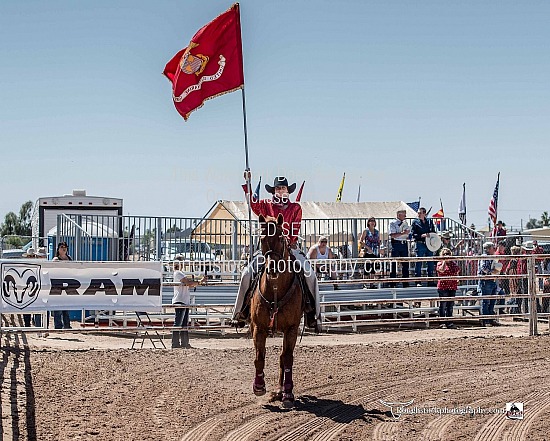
(193, 64)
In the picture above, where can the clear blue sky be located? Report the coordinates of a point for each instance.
(412, 98)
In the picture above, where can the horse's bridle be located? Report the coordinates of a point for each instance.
(279, 256)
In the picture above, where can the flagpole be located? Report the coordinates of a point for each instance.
(248, 183)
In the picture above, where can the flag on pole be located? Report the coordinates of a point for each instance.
(414, 205)
(359, 193)
(439, 215)
(340, 189)
(299, 195)
(493, 205)
(257, 191)
(462, 207)
(210, 66)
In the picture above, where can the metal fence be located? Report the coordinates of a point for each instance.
(162, 238)
(366, 298)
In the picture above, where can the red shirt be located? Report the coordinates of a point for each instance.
(451, 269)
(503, 261)
(291, 211)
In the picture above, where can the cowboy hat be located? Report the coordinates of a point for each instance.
(280, 181)
(447, 235)
(496, 268)
(30, 253)
(433, 241)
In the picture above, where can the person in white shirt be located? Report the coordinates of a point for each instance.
(399, 234)
(321, 251)
(182, 296)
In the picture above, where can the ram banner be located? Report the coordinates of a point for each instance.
(34, 285)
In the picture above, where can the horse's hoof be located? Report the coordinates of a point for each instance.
(288, 404)
(276, 396)
(288, 400)
(258, 390)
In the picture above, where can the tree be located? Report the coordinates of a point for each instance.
(24, 224)
(545, 219)
(9, 227)
(532, 223)
(18, 225)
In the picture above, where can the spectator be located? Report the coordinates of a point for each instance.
(446, 242)
(488, 287)
(512, 269)
(500, 230)
(321, 251)
(370, 245)
(370, 240)
(503, 285)
(399, 233)
(447, 287)
(180, 339)
(61, 319)
(245, 254)
(546, 300)
(522, 269)
(537, 249)
(421, 228)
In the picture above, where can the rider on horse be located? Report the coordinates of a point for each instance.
(292, 216)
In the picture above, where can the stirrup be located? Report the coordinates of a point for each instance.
(239, 320)
(237, 323)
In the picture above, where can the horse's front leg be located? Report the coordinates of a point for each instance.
(287, 358)
(277, 395)
(260, 337)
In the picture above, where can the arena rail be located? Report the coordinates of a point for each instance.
(353, 305)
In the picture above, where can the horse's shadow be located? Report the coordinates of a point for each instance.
(337, 410)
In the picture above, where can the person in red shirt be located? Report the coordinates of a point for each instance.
(279, 203)
(499, 230)
(447, 287)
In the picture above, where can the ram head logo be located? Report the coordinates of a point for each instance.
(20, 284)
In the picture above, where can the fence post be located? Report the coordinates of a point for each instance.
(355, 246)
(158, 238)
(78, 239)
(235, 241)
(532, 279)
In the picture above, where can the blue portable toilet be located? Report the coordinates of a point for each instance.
(97, 242)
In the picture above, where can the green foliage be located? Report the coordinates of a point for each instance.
(543, 222)
(18, 224)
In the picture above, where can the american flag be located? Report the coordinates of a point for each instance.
(414, 205)
(494, 202)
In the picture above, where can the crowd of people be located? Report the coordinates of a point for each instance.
(421, 239)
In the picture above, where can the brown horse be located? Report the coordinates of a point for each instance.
(276, 305)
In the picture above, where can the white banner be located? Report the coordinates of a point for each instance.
(36, 285)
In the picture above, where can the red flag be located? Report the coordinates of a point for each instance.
(299, 195)
(438, 216)
(210, 66)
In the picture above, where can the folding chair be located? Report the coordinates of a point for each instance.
(141, 335)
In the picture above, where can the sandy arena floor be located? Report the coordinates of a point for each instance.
(75, 386)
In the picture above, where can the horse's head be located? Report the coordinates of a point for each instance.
(274, 243)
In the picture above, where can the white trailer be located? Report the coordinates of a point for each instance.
(46, 210)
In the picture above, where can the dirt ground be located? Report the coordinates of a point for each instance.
(74, 386)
